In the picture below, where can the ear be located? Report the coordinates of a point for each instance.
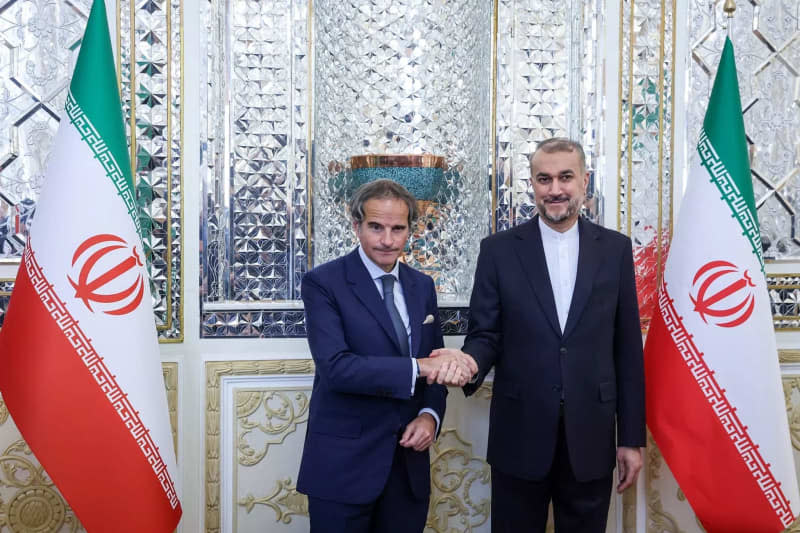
(585, 182)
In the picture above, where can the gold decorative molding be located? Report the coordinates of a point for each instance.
(454, 474)
(789, 356)
(170, 373)
(34, 504)
(484, 391)
(3, 412)
(629, 501)
(284, 500)
(791, 395)
(215, 371)
(282, 411)
(658, 520)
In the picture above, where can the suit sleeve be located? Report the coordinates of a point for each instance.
(485, 331)
(434, 395)
(343, 370)
(628, 358)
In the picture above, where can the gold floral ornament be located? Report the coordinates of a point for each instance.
(284, 500)
(791, 395)
(34, 504)
(267, 418)
(459, 486)
(3, 412)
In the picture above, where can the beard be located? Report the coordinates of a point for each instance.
(573, 208)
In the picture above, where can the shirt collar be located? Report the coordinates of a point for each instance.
(374, 270)
(553, 235)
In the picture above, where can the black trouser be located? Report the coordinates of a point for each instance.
(520, 505)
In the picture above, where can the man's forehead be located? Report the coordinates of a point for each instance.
(566, 160)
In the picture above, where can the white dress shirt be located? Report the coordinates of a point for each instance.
(561, 254)
(376, 273)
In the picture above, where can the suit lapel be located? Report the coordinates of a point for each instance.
(589, 258)
(415, 304)
(531, 254)
(364, 288)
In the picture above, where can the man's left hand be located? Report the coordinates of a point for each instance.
(419, 433)
(629, 462)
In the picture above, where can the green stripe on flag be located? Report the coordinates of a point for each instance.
(723, 149)
(96, 97)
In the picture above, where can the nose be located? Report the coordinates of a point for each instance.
(386, 238)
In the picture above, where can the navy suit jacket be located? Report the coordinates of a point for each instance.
(596, 365)
(361, 401)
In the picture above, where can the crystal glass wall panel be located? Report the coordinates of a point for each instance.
(39, 43)
(150, 62)
(405, 77)
(645, 139)
(255, 235)
(546, 87)
(766, 39)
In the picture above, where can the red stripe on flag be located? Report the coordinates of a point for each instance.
(70, 424)
(719, 468)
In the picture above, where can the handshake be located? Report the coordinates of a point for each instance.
(448, 366)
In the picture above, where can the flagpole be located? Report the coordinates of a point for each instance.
(729, 8)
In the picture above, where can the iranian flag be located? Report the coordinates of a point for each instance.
(79, 359)
(714, 399)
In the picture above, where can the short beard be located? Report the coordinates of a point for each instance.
(573, 208)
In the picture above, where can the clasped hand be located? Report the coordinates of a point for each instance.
(448, 366)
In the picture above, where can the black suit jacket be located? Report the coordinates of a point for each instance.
(362, 402)
(596, 365)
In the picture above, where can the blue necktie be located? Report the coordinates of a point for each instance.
(397, 322)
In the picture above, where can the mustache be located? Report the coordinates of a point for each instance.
(560, 198)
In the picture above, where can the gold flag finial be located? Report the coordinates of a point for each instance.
(729, 7)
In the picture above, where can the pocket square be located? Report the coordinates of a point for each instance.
(428, 320)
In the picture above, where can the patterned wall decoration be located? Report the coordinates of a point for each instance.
(546, 85)
(254, 249)
(282, 497)
(150, 63)
(400, 78)
(264, 420)
(38, 48)
(766, 40)
(255, 191)
(29, 501)
(40, 44)
(646, 138)
(459, 486)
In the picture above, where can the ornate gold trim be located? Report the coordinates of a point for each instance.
(215, 371)
(397, 160)
(454, 471)
(170, 373)
(309, 133)
(658, 520)
(789, 356)
(493, 119)
(6, 280)
(284, 500)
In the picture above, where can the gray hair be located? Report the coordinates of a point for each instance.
(381, 189)
(560, 144)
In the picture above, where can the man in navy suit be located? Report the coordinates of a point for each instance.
(371, 323)
(554, 311)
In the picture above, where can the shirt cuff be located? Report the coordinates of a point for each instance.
(435, 417)
(414, 374)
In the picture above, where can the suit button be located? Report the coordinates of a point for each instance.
(563, 351)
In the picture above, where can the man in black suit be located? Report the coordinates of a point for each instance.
(372, 321)
(554, 311)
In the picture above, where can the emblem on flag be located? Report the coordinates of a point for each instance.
(723, 293)
(91, 260)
